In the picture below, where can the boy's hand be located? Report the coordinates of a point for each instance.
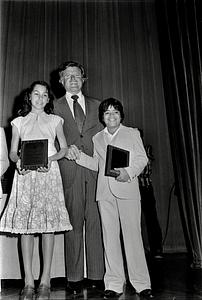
(123, 176)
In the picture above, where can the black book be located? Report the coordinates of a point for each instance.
(115, 158)
(34, 154)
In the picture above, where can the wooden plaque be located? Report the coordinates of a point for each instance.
(115, 158)
(34, 154)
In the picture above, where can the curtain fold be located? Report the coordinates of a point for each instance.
(180, 48)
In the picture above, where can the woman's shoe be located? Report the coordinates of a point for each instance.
(27, 293)
(43, 292)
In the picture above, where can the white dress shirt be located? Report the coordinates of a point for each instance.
(108, 136)
(81, 101)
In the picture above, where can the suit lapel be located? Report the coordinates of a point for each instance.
(66, 112)
(65, 108)
(89, 114)
(101, 141)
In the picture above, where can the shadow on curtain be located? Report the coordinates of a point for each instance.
(180, 45)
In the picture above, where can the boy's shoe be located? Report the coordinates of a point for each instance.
(111, 294)
(146, 294)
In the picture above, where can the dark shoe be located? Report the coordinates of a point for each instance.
(74, 287)
(27, 293)
(146, 294)
(94, 284)
(111, 294)
(158, 254)
(43, 292)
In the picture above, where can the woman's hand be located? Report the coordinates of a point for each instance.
(45, 169)
(21, 171)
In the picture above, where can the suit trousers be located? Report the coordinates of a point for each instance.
(83, 210)
(121, 214)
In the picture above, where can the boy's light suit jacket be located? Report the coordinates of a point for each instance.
(129, 139)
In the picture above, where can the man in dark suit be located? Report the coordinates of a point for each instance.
(80, 183)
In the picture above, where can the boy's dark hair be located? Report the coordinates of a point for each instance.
(26, 106)
(104, 105)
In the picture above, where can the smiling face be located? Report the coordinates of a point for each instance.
(39, 98)
(112, 119)
(72, 80)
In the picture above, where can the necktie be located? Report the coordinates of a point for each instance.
(78, 113)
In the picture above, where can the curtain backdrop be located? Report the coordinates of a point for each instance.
(180, 40)
(117, 42)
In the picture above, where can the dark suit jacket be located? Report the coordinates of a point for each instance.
(84, 140)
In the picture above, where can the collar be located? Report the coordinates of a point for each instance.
(114, 134)
(37, 114)
(81, 101)
(68, 95)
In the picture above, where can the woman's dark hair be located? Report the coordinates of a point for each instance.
(105, 104)
(67, 64)
(26, 103)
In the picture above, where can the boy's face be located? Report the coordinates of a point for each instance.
(112, 118)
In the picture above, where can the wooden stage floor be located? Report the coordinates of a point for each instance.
(171, 277)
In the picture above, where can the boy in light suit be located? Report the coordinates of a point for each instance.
(119, 201)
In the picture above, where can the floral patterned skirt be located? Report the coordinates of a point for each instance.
(36, 204)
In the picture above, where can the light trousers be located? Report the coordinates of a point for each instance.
(123, 214)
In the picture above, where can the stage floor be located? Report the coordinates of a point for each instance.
(172, 279)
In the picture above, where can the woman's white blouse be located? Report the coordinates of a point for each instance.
(38, 126)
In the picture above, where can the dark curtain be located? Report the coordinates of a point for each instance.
(117, 42)
(180, 45)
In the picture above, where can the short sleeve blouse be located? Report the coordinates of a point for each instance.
(38, 126)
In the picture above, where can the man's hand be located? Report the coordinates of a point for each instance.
(123, 176)
(73, 152)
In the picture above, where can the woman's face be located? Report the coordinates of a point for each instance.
(112, 119)
(39, 98)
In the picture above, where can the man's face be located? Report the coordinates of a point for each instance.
(72, 80)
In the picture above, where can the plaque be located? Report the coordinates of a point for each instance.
(34, 154)
(115, 158)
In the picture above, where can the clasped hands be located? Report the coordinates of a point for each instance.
(73, 152)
